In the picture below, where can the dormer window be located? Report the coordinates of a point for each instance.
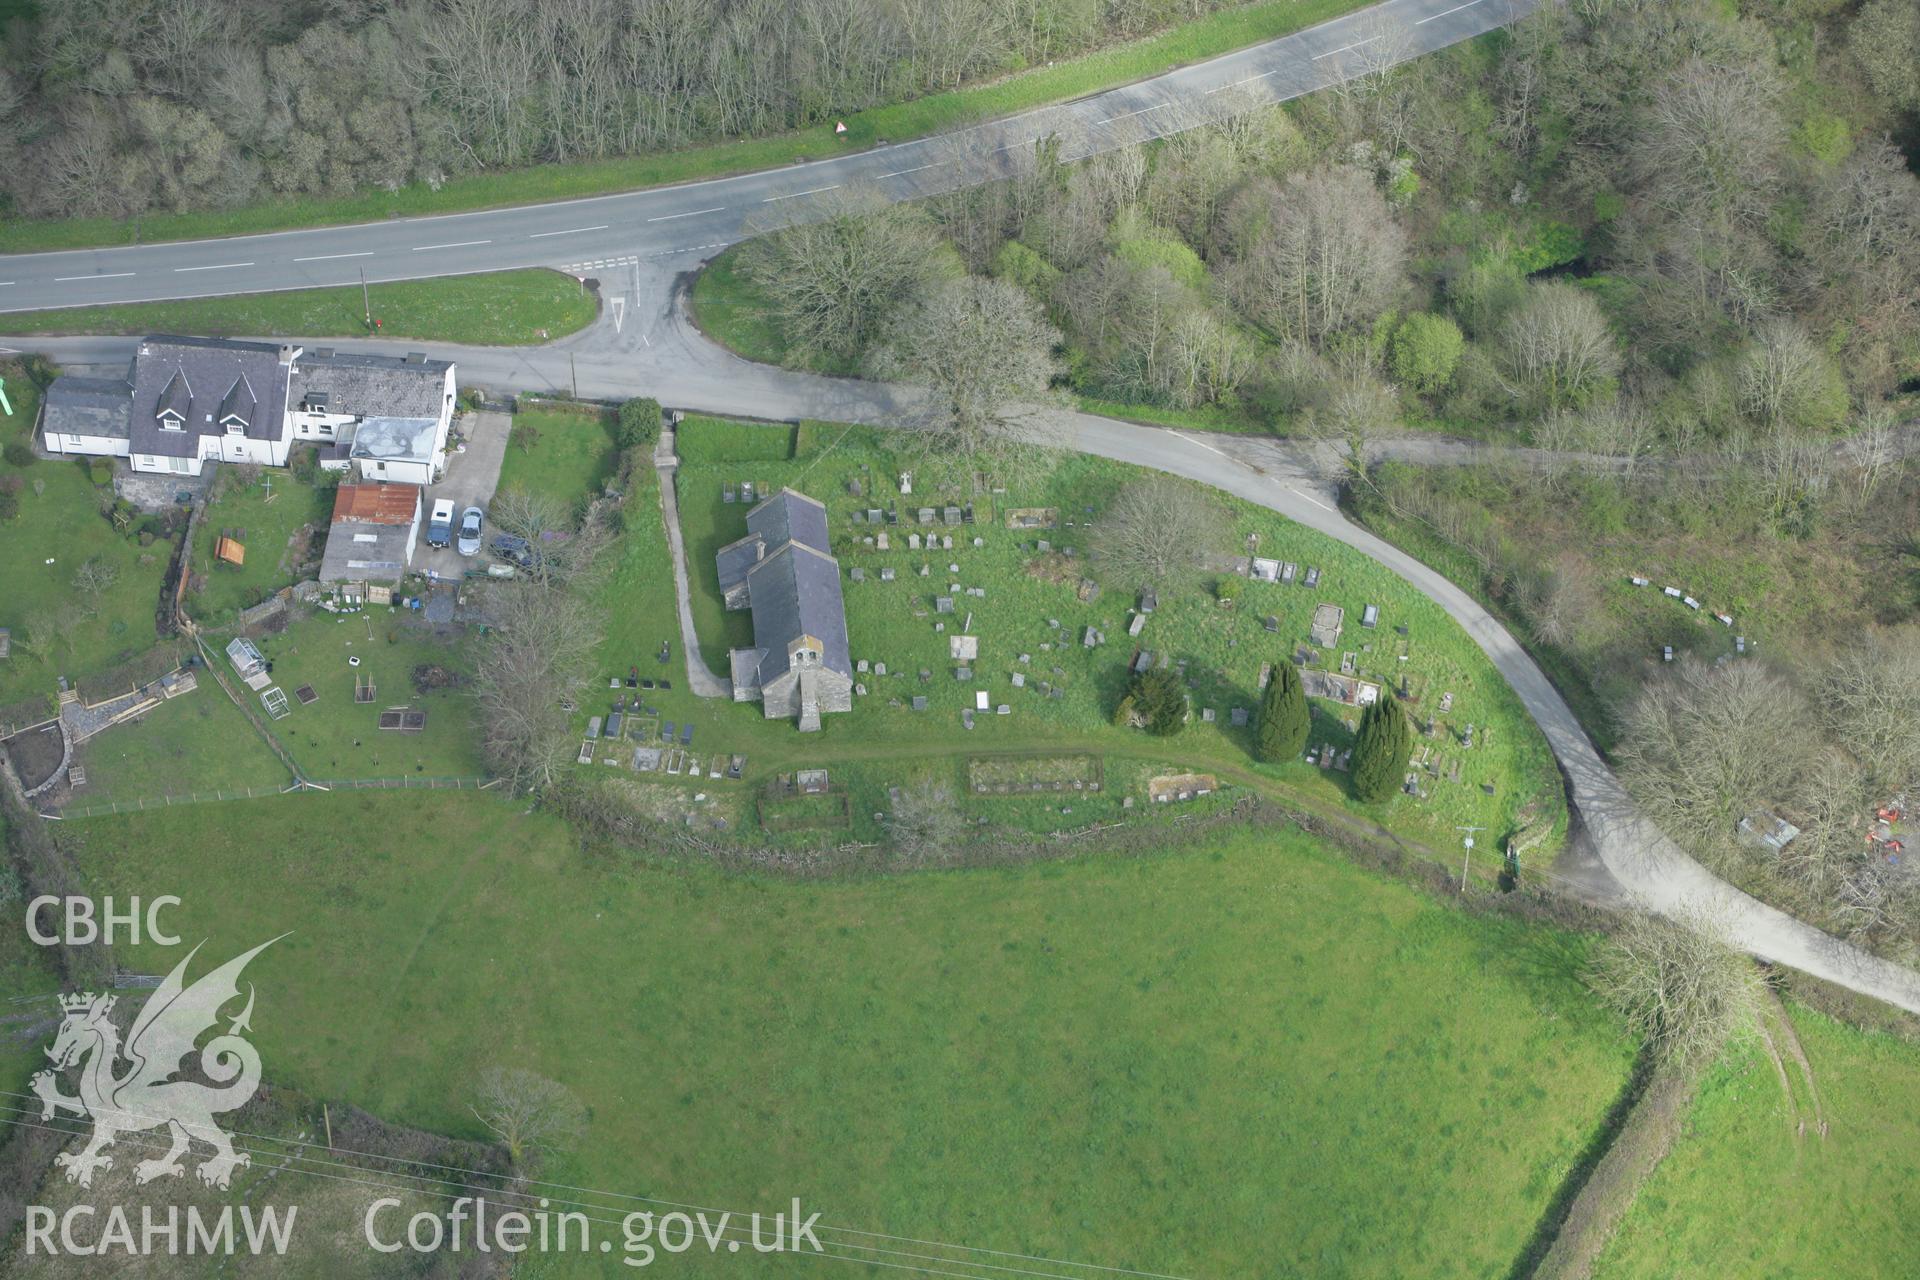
(236, 427)
(170, 421)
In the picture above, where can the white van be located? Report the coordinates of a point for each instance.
(440, 524)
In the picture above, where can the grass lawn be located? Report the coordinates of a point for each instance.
(336, 737)
(729, 308)
(505, 308)
(1741, 1196)
(60, 528)
(198, 742)
(274, 518)
(1205, 37)
(1048, 1060)
(565, 453)
(1223, 649)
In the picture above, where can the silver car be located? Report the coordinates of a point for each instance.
(470, 520)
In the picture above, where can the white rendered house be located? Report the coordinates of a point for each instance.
(186, 400)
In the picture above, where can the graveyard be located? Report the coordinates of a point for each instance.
(982, 628)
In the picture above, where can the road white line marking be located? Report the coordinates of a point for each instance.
(5, 283)
(1011, 145)
(1249, 80)
(1204, 445)
(570, 231)
(108, 275)
(459, 244)
(1457, 8)
(644, 338)
(328, 257)
(1128, 115)
(1355, 45)
(224, 266)
(691, 213)
(794, 195)
(1301, 493)
(898, 172)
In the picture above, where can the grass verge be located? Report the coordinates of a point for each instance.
(503, 308)
(1206, 37)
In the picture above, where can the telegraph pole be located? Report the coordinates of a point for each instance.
(1468, 858)
(366, 299)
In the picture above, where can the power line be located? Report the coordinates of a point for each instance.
(304, 1160)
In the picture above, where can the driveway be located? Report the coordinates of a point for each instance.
(470, 481)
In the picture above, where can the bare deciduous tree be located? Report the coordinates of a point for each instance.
(1783, 377)
(560, 551)
(1314, 255)
(986, 352)
(1680, 984)
(534, 660)
(833, 279)
(1703, 746)
(1352, 411)
(1712, 137)
(1872, 447)
(1869, 698)
(1562, 603)
(530, 1114)
(1158, 528)
(925, 822)
(94, 578)
(531, 667)
(1557, 348)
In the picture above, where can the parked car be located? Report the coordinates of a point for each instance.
(513, 548)
(470, 521)
(440, 523)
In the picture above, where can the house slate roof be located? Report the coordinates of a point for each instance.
(787, 516)
(240, 403)
(197, 377)
(391, 439)
(397, 504)
(361, 384)
(795, 592)
(734, 559)
(88, 407)
(790, 516)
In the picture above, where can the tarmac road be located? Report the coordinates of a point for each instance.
(680, 225)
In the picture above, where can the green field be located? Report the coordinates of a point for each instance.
(506, 308)
(1205, 37)
(60, 527)
(1743, 1195)
(1303, 1069)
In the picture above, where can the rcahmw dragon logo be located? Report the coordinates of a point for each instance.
(146, 1095)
